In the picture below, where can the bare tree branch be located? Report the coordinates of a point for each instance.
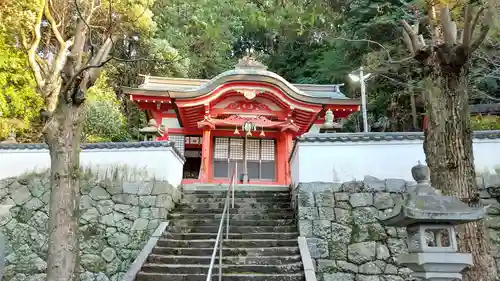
(485, 27)
(376, 43)
(32, 48)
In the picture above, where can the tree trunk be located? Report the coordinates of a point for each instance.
(63, 135)
(450, 158)
(413, 111)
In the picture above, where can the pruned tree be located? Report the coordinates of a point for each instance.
(67, 44)
(445, 59)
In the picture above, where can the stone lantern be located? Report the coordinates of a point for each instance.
(430, 220)
(151, 131)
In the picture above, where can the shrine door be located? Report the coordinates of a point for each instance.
(260, 158)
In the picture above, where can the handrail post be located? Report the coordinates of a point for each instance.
(220, 259)
(233, 180)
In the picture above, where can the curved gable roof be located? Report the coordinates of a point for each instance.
(247, 70)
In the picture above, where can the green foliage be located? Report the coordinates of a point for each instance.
(485, 122)
(19, 102)
(104, 121)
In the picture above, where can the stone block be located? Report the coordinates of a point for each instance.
(326, 213)
(344, 266)
(337, 250)
(341, 197)
(145, 188)
(93, 263)
(343, 216)
(323, 266)
(105, 206)
(324, 199)
(361, 277)
(396, 246)
(147, 201)
(382, 252)
(360, 233)
(383, 200)
(318, 248)
(362, 252)
(164, 201)
(340, 233)
(99, 193)
(363, 215)
(33, 204)
(353, 186)
(395, 185)
(20, 194)
(376, 232)
(338, 276)
(322, 228)
(370, 268)
(161, 187)
(361, 199)
(308, 213)
(305, 228)
(373, 184)
(305, 198)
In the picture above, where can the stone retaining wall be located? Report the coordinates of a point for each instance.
(117, 218)
(344, 235)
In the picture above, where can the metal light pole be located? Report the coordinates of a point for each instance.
(361, 78)
(363, 99)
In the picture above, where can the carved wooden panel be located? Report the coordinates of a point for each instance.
(248, 106)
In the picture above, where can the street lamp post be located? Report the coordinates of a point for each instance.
(361, 78)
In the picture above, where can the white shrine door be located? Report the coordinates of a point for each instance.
(260, 158)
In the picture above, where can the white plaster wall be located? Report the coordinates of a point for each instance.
(339, 162)
(160, 163)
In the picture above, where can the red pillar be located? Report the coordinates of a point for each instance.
(206, 157)
(284, 141)
(288, 140)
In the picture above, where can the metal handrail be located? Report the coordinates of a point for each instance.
(220, 237)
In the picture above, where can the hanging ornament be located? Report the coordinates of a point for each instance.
(236, 132)
(249, 133)
(262, 132)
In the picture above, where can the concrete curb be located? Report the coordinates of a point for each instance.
(136, 266)
(306, 259)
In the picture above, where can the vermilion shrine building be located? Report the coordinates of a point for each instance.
(248, 115)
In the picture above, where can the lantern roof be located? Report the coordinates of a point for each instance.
(426, 205)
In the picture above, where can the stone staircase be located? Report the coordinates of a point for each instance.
(262, 243)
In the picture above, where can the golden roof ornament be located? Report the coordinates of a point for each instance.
(249, 61)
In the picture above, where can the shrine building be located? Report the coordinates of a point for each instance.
(246, 115)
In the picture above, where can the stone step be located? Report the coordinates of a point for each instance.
(244, 205)
(246, 216)
(232, 235)
(237, 193)
(253, 252)
(236, 229)
(231, 211)
(226, 269)
(197, 199)
(148, 276)
(233, 222)
(230, 243)
(269, 260)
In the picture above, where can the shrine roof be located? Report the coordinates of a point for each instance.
(245, 71)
